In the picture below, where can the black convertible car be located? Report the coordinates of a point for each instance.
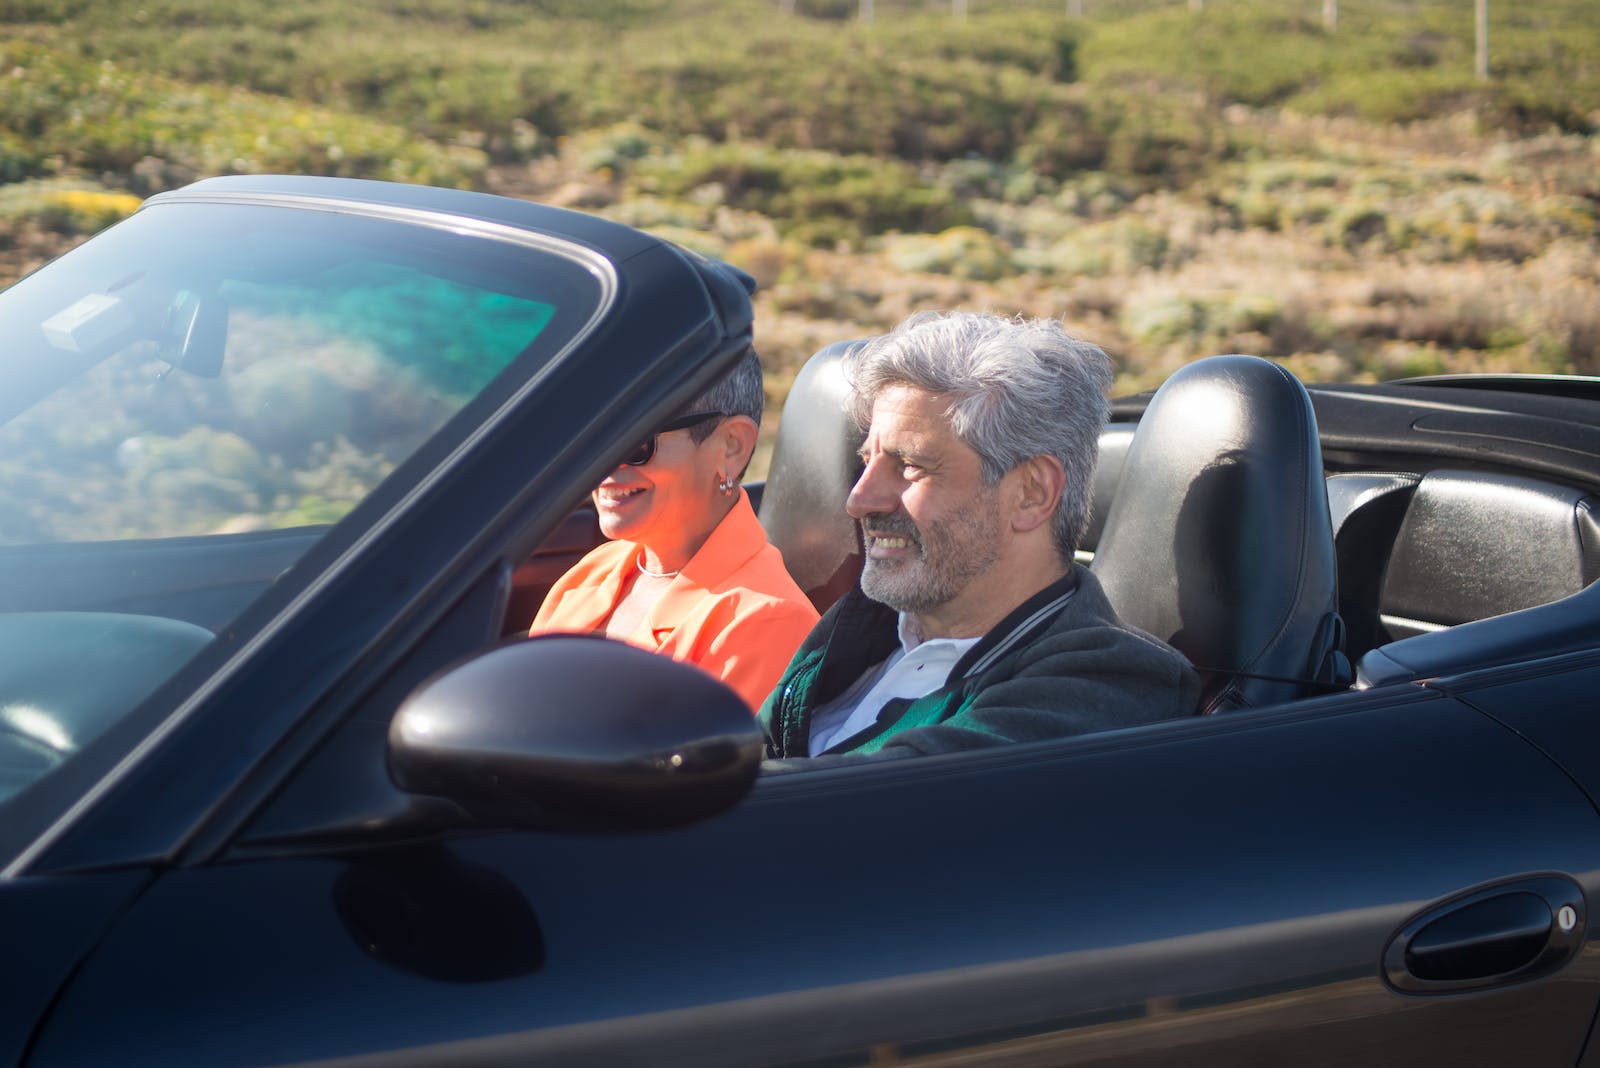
(282, 461)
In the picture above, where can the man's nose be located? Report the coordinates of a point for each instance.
(874, 492)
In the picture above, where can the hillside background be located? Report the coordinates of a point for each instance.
(1352, 201)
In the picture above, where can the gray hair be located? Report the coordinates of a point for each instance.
(1019, 388)
(739, 392)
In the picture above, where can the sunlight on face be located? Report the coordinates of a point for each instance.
(930, 523)
(674, 492)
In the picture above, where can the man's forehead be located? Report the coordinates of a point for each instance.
(909, 418)
(911, 408)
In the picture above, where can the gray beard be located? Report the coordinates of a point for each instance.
(950, 555)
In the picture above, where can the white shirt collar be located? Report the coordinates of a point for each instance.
(911, 636)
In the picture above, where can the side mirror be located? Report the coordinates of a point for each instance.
(570, 732)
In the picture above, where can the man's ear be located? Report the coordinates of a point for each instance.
(1037, 484)
(735, 439)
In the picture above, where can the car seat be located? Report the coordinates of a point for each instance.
(815, 460)
(1486, 568)
(1219, 539)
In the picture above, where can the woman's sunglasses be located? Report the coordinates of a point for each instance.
(645, 451)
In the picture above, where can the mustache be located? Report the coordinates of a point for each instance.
(891, 524)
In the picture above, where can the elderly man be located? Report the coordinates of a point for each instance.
(972, 626)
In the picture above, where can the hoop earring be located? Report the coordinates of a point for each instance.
(726, 484)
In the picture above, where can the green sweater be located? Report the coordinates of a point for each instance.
(1060, 664)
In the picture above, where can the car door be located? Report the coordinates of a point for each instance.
(1244, 888)
(1547, 702)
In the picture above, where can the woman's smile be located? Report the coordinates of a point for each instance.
(613, 497)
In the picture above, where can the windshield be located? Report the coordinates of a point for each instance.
(192, 400)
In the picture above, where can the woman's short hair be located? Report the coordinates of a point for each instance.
(739, 392)
(1019, 388)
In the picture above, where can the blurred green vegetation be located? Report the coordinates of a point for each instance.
(64, 113)
(1351, 200)
(1387, 60)
(429, 90)
(915, 83)
(68, 207)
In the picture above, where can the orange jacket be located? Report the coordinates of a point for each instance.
(732, 610)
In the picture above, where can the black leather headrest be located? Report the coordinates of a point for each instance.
(1487, 557)
(1219, 540)
(815, 461)
(1476, 545)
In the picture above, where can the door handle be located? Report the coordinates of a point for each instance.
(1506, 933)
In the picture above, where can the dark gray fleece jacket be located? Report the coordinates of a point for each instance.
(1061, 664)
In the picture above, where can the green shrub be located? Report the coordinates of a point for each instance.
(1390, 96)
(72, 207)
(1095, 195)
(1569, 216)
(1165, 319)
(614, 149)
(20, 158)
(1204, 324)
(1386, 62)
(100, 117)
(87, 211)
(996, 180)
(1358, 224)
(1155, 139)
(1123, 245)
(816, 197)
(1406, 361)
(1281, 194)
(961, 252)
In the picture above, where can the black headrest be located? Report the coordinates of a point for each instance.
(1219, 541)
(1487, 557)
(815, 461)
(1476, 545)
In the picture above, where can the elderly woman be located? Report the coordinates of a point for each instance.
(689, 571)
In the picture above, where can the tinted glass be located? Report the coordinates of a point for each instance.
(192, 400)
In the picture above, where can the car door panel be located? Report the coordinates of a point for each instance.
(48, 925)
(1549, 702)
(1221, 888)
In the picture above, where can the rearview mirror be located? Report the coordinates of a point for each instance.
(571, 731)
(197, 334)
